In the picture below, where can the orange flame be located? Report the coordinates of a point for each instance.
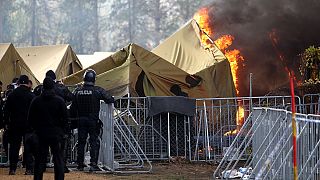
(222, 43)
(240, 121)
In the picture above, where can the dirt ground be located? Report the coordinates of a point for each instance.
(161, 170)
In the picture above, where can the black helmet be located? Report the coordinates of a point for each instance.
(89, 77)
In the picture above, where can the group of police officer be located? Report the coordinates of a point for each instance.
(41, 119)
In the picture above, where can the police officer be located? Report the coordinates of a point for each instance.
(48, 118)
(86, 106)
(15, 118)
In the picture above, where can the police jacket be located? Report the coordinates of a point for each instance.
(48, 114)
(16, 108)
(86, 101)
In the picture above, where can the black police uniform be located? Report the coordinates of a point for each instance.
(48, 117)
(15, 117)
(86, 107)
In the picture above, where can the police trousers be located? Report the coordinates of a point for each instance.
(88, 126)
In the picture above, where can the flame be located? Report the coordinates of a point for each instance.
(240, 121)
(234, 56)
(222, 43)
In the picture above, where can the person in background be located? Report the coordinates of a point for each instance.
(48, 117)
(15, 118)
(62, 91)
(86, 107)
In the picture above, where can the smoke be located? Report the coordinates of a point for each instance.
(296, 23)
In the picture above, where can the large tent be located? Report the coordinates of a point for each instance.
(182, 67)
(59, 58)
(12, 65)
(142, 73)
(90, 59)
(184, 50)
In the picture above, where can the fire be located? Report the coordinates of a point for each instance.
(234, 57)
(240, 121)
(222, 43)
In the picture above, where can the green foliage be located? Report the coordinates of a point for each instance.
(310, 65)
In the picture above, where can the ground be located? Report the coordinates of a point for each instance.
(161, 170)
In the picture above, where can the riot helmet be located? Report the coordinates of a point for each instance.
(89, 77)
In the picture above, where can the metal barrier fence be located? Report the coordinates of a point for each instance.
(117, 135)
(268, 134)
(202, 137)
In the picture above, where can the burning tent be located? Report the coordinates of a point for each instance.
(185, 50)
(142, 73)
(59, 58)
(12, 65)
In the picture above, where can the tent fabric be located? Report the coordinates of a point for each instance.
(181, 105)
(59, 58)
(142, 73)
(90, 59)
(103, 66)
(184, 50)
(181, 67)
(12, 65)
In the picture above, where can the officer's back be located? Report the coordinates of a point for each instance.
(86, 106)
(87, 98)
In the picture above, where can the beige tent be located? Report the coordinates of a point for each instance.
(12, 65)
(90, 59)
(184, 50)
(59, 58)
(142, 73)
(182, 63)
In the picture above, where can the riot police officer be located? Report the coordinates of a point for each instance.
(86, 107)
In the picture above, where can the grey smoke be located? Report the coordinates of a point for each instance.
(296, 22)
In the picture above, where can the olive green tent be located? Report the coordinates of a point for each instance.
(59, 58)
(142, 73)
(182, 67)
(185, 51)
(12, 65)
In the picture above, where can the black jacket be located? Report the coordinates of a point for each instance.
(16, 108)
(48, 115)
(86, 101)
(60, 90)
